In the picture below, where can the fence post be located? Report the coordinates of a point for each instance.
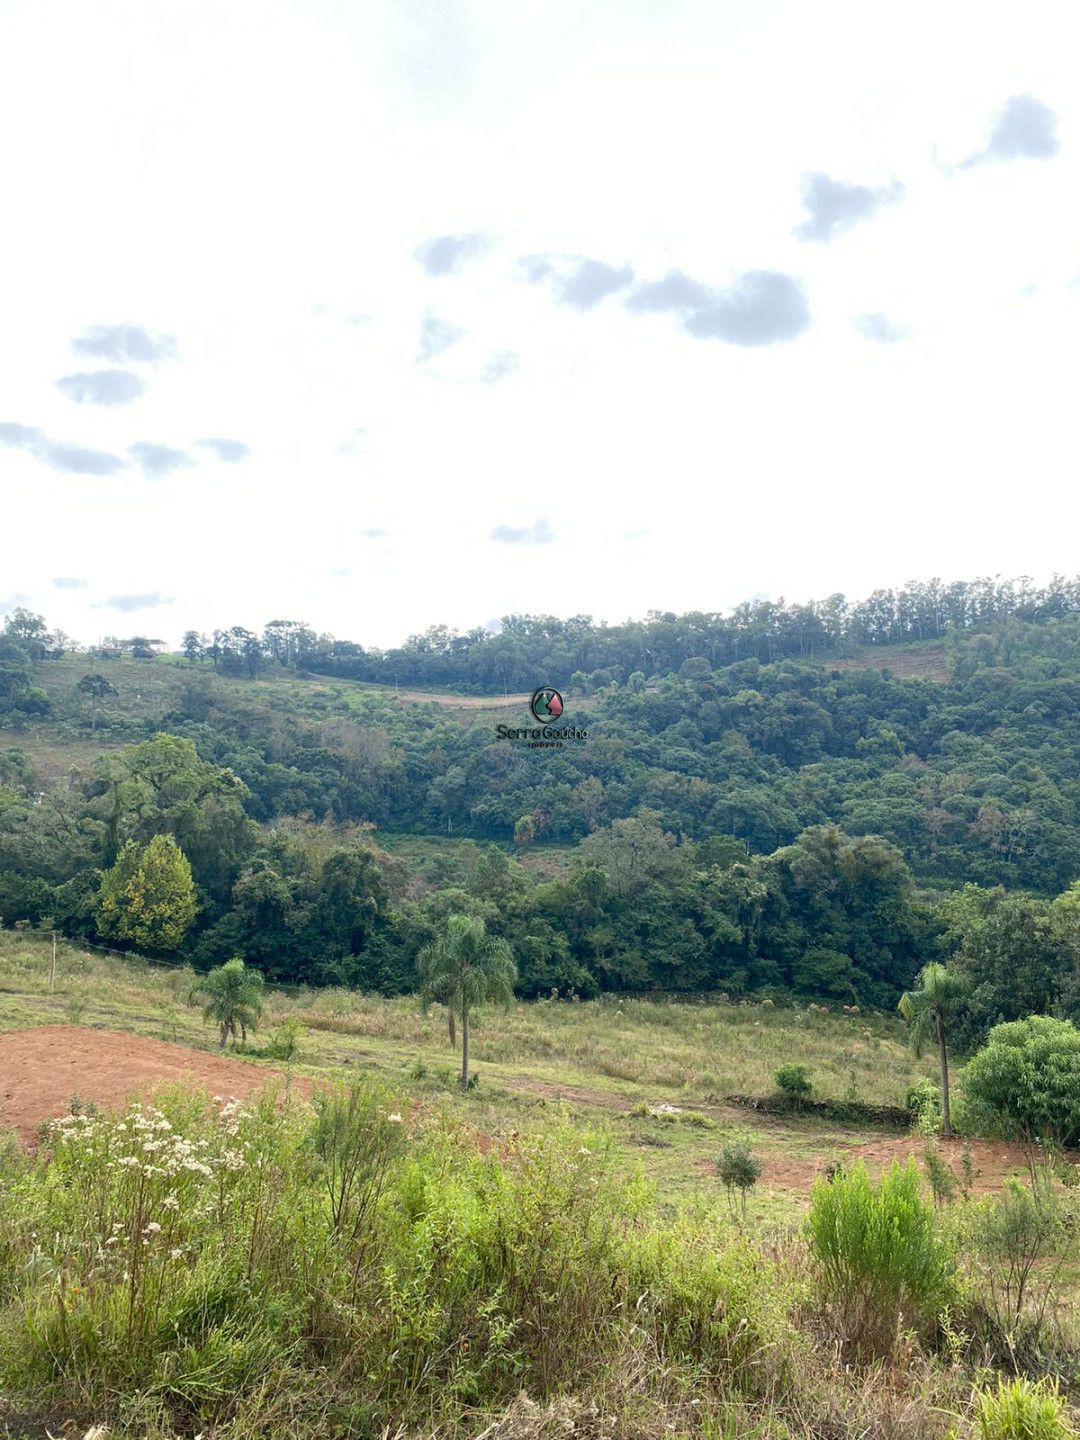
(52, 964)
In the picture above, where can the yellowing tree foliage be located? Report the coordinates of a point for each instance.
(148, 897)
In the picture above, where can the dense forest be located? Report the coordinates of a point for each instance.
(756, 807)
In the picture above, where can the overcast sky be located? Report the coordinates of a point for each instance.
(393, 312)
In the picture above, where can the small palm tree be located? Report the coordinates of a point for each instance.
(462, 968)
(930, 1011)
(233, 998)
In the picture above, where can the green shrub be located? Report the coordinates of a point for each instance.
(1016, 1240)
(712, 1302)
(938, 1173)
(506, 1273)
(284, 1041)
(880, 1255)
(738, 1169)
(357, 1134)
(1026, 1081)
(1020, 1410)
(793, 1081)
(697, 1121)
(923, 1100)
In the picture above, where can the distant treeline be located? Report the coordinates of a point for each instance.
(530, 650)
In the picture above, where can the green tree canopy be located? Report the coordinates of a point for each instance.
(1027, 1079)
(96, 688)
(148, 896)
(162, 786)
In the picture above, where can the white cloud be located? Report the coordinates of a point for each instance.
(288, 156)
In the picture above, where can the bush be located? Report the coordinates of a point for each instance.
(1026, 1080)
(738, 1169)
(712, 1302)
(284, 1042)
(923, 1100)
(880, 1255)
(1016, 1241)
(793, 1081)
(1019, 1410)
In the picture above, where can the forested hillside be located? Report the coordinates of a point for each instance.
(822, 825)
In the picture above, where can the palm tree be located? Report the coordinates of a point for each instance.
(930, 1011)
(234, 998)
(462, 968)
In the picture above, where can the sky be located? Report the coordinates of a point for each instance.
(392, 313)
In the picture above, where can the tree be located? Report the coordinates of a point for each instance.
(148, 896)
(1015, 956)
(1027, 1078)
(463, 967)
(28, 630)
(194, 645)
(162, 786)
(233, 998)
(96, 688)
(929, 1012)
(633, 852)
(16, 672)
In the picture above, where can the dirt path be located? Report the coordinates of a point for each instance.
(42, 1068)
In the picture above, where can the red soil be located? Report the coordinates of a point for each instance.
(41, 1068)
(993, 1162)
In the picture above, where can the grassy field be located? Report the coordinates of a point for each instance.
(920, 660)
(609, 1062)
(549, 1254)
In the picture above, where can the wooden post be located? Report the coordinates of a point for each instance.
(52, 964)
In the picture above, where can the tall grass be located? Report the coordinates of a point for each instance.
(169, 1260)
(1019, 1410)
(354, 1266)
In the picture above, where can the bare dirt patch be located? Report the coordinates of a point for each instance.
(993, 1162)
(42, 1068)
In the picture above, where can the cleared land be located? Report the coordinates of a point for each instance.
(45, 1067)
(928, 662)
(654, 1075)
